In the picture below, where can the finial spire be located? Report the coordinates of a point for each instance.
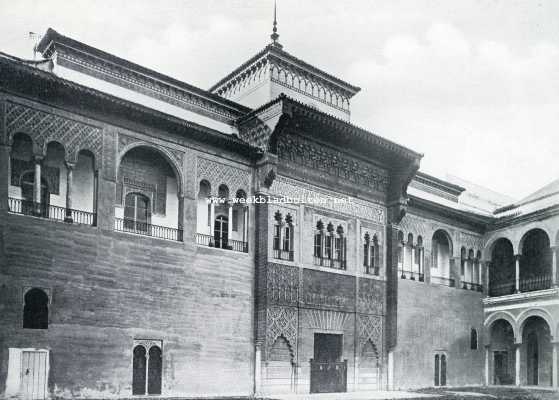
(275, 36)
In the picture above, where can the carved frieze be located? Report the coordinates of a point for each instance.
(371, 296)
(282, 284)
(148, 343)
(334, 163)
(281, 321)
(321, 290)
(217, 173)
(335, 202)
(327, 320)
(44, 127)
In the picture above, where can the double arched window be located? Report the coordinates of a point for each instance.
(371, 256)
(147, 370)
(283, 237)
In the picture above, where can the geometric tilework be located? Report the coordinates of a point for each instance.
(369, 328)
(45, 127)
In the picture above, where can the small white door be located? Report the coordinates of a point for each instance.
(34, 375)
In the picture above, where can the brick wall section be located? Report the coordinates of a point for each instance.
(109, 288)
(437, 318)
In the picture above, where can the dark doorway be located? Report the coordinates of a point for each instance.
(328, 371)
(501, 374)
(532, 359)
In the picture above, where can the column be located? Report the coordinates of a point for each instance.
(404, 248)
(257, 369)
(487, 354)
(37, 185)
(95, 196)
(4, 177)
(230, 224)
(69, 186)
(554, 277)
(390, 370)
(412, 247)
(180, 223)
(517, 364)
(554, 366)
(212, 222)
(486, 282)
(245, 224)
(480, 270)
(517, 274)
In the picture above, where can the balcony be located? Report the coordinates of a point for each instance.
(145, 229)
(61, 214)
(329, 262)
(412, 275)
(286, 255)
(530, 284)
(441, 280)
(226, 244)
(471, 286)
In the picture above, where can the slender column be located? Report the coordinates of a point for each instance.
(554, 277)
(404, 248)
(230, 224)
(37, 185)
(212, 219)
(147, 372)
(390, 370)
(554, 366)
(480, 270)
(4, 177)
(257, 369)
(245, 223)
(487, 353)
(95, 195)
(517, 364)
(412, 247)
(487, 272)
(69, 187)
(517, 273)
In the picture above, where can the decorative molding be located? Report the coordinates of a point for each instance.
(281, 321)
(327, 320)
(149, 343)
(142, 83)
(333, 163)
(282, 284)
(354, 207)
(470, 241)
(218, 173)
(44, 127)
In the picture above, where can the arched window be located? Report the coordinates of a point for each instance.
(221, 226)
(329, 243)
(137, 212)
(366, 248)
(440, 370)
(340, 248)
(154, 370)
(36, 310)
(473, 339)
(277, 233)
(288, 236)
(139, 367)
(318, 239)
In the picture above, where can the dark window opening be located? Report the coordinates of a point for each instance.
(36, 310)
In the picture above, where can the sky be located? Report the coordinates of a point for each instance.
(471, 84)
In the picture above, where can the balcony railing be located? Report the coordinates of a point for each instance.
(471, 286)
(440, 280)
(142, 228)
(221, 243)
(502, 288)
(412, 275)
(26, 207)
(531, 284)
(329, 262)
(283, 254)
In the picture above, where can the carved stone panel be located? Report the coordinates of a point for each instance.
(333, 163)
(369, 327)
(44, 127)
(282, 284)
(218, 173)
(281, 321)
(372, 295)
(323, 289)
(327, 320)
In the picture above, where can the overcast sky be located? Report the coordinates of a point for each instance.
(474, 85)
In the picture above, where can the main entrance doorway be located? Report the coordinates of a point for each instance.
(328, 371)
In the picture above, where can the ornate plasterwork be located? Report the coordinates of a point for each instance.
(306, 193)
(333, 163)
(281, 321)
(282, 284)
(470, 241)
(326, 220)
(217, 173)
(44, 127)
(148, 343)
(125, 141)
(125, 77)
(326, 319)
(370, 328)
(371, 296)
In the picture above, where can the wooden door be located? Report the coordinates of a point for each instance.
(34, 375)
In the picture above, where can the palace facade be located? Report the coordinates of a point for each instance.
(147, 247)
